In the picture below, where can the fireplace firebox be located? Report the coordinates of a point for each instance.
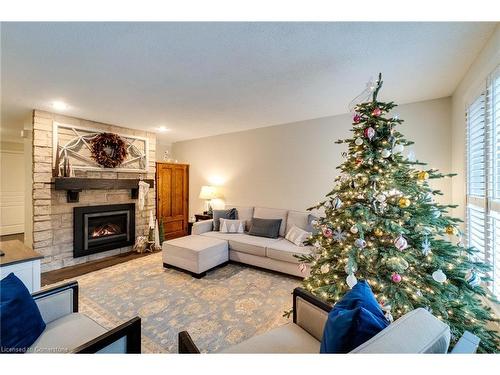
(101, 228)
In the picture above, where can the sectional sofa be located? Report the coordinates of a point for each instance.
(273, 254)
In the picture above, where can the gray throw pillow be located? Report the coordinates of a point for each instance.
(231, 214)
(310, 227)
(265, 227)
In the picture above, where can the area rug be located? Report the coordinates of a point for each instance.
(229, 305)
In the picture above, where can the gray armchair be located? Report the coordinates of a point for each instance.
(69, 331)
(416, 332)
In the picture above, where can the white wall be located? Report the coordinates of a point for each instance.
(293, 165)
(12, 188)
(472, 83)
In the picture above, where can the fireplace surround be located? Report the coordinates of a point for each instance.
(101, 228)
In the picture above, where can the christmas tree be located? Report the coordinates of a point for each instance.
(382, 224)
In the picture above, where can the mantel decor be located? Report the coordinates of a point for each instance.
(108, 149)
(95, 150)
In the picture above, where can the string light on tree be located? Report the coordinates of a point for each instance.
(381, 224)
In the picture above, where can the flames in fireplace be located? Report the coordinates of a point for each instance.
(106, 230)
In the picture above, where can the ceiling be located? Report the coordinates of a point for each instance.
(201, 79)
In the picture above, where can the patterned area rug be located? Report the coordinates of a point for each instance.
(229, 305)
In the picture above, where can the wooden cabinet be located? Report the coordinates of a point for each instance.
(172, 197)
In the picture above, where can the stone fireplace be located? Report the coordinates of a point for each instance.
(101, 228)
(53, 213)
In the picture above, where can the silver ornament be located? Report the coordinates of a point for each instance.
(400, 243)
(351, 280)
(426, 246)
(354, 229)
(397, 149)
(358, 141)
(439, 276)
(385, 153)
(360, 243)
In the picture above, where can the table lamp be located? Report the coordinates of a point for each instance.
(208, 193)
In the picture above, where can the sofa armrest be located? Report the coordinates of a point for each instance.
(310, 312)
(202, 226)
(467, 344)
(186, 344)
(126, 338)
(58, 301)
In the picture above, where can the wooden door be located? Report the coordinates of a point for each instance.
(172, 185)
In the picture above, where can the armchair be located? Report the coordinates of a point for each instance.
(416, 332)
(69, 331)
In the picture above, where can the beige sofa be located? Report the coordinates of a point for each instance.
(273, 254)
(416, 332)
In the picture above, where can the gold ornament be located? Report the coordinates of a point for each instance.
(422, 175)
(450, 230)
(404, 202)
(378, 232)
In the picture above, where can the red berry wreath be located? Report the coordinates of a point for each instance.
(108, 150)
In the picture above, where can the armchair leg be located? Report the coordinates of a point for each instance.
(186, 344)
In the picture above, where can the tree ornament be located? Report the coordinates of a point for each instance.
(325, 268)
(396, 277)
(381, 197)
(422, 176)
(378, 232)
(354, 229)
(436, 213)
(337, 203)
(400, 243)
(439, 276)
(450, 230)
(339, 235)
(351, 280)
(302, 268)
(327, 232)
(351, 267)
(397, 149)
(385, 153)
(426, 246)
(360, 243)
(356, 119)
(358, 141)
(359, 161)
(369, 133)
(376, 112)
(404, 202)
(472, 278)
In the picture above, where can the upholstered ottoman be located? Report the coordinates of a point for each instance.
(195, 254)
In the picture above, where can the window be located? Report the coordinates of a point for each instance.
(483, 176)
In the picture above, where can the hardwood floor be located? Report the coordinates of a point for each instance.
(81, 269)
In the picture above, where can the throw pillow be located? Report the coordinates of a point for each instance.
(232, 226)
(223, 214)
(356, 318)
(20, 317)
(310, 228)
(297, 235)
(265, 227)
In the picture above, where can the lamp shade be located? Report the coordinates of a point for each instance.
(208, 192)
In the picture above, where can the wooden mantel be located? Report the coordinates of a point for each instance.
(74, 185)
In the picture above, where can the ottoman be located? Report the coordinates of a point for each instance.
(195, 254)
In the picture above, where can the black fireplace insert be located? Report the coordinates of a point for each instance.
(101, 228)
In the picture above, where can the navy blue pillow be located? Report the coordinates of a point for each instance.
(356, 318)
(20, 317)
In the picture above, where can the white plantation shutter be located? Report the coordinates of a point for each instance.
(483, 176)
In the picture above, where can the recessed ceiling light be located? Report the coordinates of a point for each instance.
(162, 129)
(59, 105)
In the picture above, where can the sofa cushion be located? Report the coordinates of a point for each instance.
(355, 319)
(20, 319)
(415, 332)
(243, 213)
(244, 242)
(67, 333)
(285, 250)
(269, 228)
(297, 236)
(223, 214)
(272, 213)
(297, 218)
(289, 338)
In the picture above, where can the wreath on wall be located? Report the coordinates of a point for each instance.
(108, 150)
